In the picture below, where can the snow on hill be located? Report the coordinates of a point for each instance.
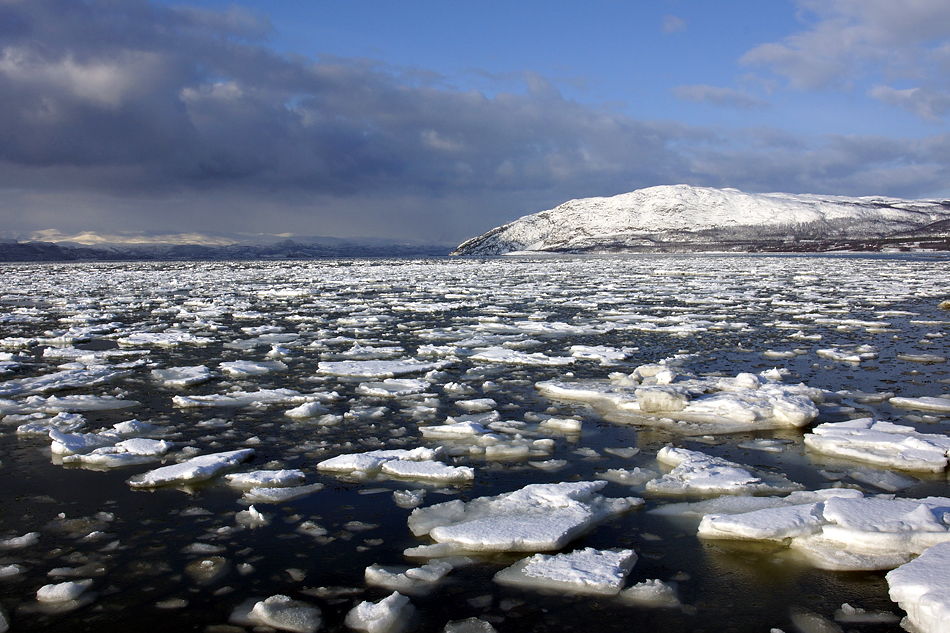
(681, 217)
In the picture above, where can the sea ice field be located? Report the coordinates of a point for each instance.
(620, 443)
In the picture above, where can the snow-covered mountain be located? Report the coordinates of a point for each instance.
(683, 218)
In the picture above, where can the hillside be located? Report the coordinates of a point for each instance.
(675, 218)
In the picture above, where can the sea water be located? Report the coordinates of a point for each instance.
(457, 340)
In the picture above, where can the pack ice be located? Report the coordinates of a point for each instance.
(883, 444)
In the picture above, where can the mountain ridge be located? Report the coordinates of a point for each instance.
(684, 218)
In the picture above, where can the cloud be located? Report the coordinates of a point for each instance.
(926, 103)
(123, 115)
(727, 97)
(848, 42)
(673, 24)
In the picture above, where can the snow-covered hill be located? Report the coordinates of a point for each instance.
(681, 217)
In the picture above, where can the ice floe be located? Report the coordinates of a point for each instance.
(193, 470)
(408, 580)
(538, 517)
(696, 473)
(389, 615)
(586, 571)
(842, 533)
(881, 443)
(925, 403)
(658, 396)
(922, 588)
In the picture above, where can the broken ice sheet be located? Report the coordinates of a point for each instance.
(843, 533)
(655, 395)
(538, 517)
(194, 470)
(589, 571)
(922, 588)
(408, 580)
(881, 443)
(696, 473)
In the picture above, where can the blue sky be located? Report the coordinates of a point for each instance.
(437, 120)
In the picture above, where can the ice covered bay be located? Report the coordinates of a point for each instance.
(287, 444)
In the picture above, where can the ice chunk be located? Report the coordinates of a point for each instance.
(588, 571)
(469, 625)
(407, 580)
(182, 376)
(306, 410)
(427, 470)
(512, 357)
(373, 461)
(389, 615)
(377, 368)
(393, 387)
(697, 473)
(125, 453)
(246, 368)
(242, 398)
(279, 495)
(17, 542)
(284, 614)
(64, 591)
(652, 593)
(164, 339)
(66, 379)
(266, 478)
(409, 498)
(62, 422)
(476, 405)
(881, 443)
(941, 405)
(194, 470)
(662, 398)
(842, 533)
(922, 588)
(537, 517)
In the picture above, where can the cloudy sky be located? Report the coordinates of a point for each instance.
(440, 119)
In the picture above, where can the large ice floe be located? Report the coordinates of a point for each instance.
(922, 588)
(656, 395)
(536, 518)
(696, 473)
(582, 571)
(881, 443)
(842, 533)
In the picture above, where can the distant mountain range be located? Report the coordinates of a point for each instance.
(14, 251)
(681, 218)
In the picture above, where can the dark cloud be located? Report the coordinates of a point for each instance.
(138, 116)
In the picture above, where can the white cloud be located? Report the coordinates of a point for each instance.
(673, 24)
(926, 103)
(718, 96)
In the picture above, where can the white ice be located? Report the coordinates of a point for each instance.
(247, 368)
(881, 443)
(652, 594)
(194, 470)
(389, 615)
(64, 591)
(266, 478)
(843, 533)
(922, 588)
(377, 368)
(408, 580)
(586, 571)
(927, 403)
(538, 517)
(182, 376)
(696, 473)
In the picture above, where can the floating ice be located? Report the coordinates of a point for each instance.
(393, 387)
(279, 495)
(855, 355)
(306, 410)
(538, 517)
(922, 358)
(408, 580)
(372, 461)
(377, 368)
(245, 398)
(194, 470)
(512, 357)
(881, 443)
(941, 405)
(427, 470)
(18, 542)
(246, 368)
(64, 591)
(587, 571)
(696, 473)
(66, 379)
(266, 479)
(182, 376)
(843, 533)
(389, 615)
(605, 355)
(164, 339)
(655, 396)
(124, 453)
(62, 422)
(652, 594)
(922, 588)
(65, 404)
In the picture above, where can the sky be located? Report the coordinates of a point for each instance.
(437, 120)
